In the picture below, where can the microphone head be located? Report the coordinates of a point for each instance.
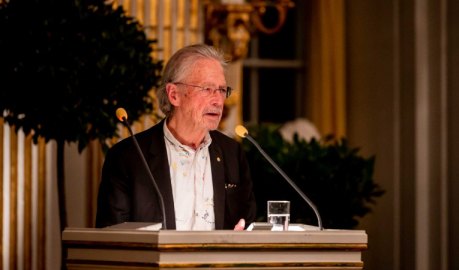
(121, 113)
(241, 131)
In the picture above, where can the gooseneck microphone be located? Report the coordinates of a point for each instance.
(242, 132)
(122, 116)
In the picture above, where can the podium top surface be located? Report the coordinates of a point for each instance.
(214, 237)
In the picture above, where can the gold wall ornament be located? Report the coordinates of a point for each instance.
(230, 26)
(282, 7)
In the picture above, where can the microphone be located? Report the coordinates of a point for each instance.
(122, 116)
(242, 132)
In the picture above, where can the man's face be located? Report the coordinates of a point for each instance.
(201, 112)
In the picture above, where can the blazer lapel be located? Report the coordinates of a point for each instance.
(159, 167)
(218, 182)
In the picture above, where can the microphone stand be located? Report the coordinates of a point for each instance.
(288, 180)
(161, 202)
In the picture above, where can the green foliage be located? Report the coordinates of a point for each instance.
(337, 180)
(66, 66)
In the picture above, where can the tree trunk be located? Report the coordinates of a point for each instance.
(61, 192)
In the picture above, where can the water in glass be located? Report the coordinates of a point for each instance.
(279, 215)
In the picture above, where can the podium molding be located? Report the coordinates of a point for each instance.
(133, 249)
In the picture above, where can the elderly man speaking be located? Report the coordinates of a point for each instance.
(202, 174)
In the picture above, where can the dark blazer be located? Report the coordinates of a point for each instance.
(126, 193)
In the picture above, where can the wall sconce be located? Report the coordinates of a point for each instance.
(229, 24)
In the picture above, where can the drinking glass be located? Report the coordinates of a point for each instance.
(279, 215)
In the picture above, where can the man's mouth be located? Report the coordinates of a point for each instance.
(213, 114)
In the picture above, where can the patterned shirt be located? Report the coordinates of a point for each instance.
(191, 180)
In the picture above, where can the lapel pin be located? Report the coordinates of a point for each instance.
(218, 159)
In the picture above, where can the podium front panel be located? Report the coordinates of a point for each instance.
(132, 249)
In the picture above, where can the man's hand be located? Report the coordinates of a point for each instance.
(240, 225)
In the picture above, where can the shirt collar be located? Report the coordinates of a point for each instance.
(167, 133)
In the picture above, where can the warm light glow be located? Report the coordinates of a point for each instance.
(226, 2)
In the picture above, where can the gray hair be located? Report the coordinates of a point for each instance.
(180, 65)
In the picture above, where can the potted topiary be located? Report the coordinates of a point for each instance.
(66, 66)
(333, 176)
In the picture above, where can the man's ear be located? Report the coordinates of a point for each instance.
(173, 94)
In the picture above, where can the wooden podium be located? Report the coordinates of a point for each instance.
(140, 249)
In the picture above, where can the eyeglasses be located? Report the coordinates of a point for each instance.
(206, 90)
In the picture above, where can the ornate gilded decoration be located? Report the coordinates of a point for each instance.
(282, 7)
(227, 27)
(230, 26)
